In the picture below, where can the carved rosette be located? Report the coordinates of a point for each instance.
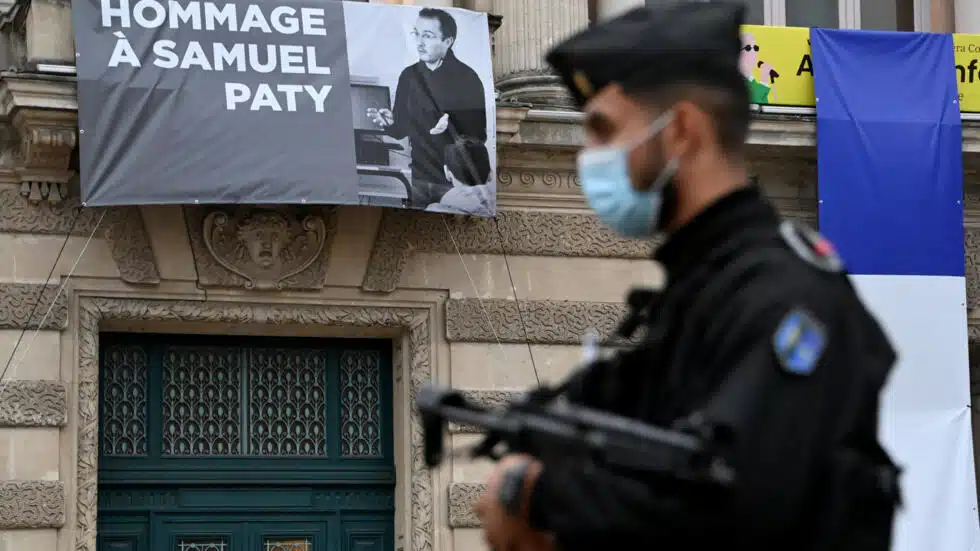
(263, 249)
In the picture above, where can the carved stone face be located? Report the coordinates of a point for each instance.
(264, 236)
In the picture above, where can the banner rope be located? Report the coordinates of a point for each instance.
(483, 307)
(54, 300)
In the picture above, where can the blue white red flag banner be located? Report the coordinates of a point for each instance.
(300, 101)
(890, 169)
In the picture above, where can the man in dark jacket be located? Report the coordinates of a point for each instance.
(438, 101)
(757, 334)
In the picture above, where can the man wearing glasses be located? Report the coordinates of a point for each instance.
(438, 100)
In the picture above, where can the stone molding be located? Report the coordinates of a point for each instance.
(402, 233)
(18, 299)
(462, 497)
(33, 403)
(266, 249)
(972, 246)
(18, 215)
(541, 180)
(974, 351)
(533, 179)
(43, 161)
(547, 321)
(768, 132)
(487, 399)
(413, 323)
(122, 227)
(44, 120)
(32, 504)
(129, 243)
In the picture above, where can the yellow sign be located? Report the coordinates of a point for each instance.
(776, 64)
(778, 68)
(967, 53)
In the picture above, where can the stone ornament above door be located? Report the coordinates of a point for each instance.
(261, 248)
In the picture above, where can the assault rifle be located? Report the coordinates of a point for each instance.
(545, 427)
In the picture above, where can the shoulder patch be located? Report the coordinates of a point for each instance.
(799, 342)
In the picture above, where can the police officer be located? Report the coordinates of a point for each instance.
(757, 334)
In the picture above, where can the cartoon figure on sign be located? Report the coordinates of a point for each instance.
(761, 89)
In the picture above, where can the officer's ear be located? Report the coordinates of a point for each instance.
(684, 135)
(696, 125)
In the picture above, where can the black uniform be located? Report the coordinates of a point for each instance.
(759, 332)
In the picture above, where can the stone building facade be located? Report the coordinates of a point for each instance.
(485, 305)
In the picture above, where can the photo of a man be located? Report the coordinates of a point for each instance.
(438, 100)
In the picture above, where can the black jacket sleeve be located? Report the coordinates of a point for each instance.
(469, 118)
(403, 103)
(776, 435)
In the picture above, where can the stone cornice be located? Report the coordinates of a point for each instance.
(402, 233)
(557, 130)
(33, 91)
(517, 125)
(40, 134)
(545, 321)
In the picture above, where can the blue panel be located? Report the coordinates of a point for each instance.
(889, 151)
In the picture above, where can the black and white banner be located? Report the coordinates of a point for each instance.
(305, 101)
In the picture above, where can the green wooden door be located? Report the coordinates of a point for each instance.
(245, 444)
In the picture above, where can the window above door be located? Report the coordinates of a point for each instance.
(203, 406)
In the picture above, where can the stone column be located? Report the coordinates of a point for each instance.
(967, 13)
(941, 17)
(529, 29)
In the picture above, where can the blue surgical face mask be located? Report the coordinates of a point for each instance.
(605, 177)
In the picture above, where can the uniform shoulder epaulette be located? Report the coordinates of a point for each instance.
(811, 246)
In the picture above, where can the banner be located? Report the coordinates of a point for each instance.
(302, 101)
(967, 55)
(778, 66)
(890, 168)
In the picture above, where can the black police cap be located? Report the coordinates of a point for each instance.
(646, 48)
